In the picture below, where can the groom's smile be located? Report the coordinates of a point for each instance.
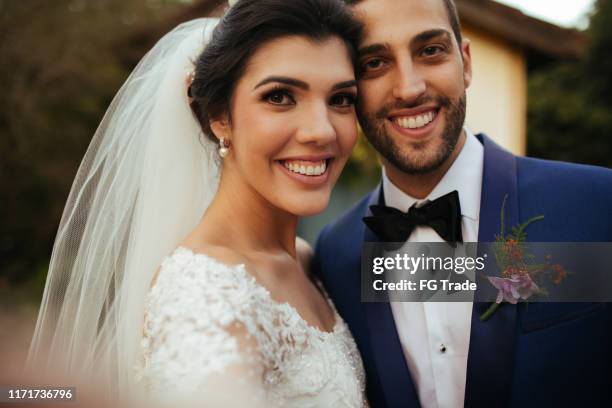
(416, 124)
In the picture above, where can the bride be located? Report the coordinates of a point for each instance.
(176, 270)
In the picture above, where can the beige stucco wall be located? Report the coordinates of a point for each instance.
(497, 97)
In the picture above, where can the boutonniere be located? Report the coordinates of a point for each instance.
(522, 276)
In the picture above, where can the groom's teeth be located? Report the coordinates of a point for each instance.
(415, 122)
(315, 169)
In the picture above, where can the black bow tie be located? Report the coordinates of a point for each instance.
(442, 214)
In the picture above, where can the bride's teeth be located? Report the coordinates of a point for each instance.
(415, 122)
(307, 170)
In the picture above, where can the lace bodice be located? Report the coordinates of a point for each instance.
(213, 334)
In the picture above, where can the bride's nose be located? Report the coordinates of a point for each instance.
(315, 126)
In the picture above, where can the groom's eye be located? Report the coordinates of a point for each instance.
(372, 64)
(432, 50)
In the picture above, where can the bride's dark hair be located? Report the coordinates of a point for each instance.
(248, 25)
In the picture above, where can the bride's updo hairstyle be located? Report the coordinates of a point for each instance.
(247, 26)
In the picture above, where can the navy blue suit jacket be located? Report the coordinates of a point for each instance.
(549, 355)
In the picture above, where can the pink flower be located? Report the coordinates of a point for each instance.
(517, 286)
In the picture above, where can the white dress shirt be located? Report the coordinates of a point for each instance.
(435, 336)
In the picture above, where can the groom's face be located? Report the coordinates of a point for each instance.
(412, 80)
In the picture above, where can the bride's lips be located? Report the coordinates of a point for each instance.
(317, 168)
(415, 124)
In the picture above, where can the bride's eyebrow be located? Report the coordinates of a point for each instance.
(284, 80)
(301, 84)
(345, 84)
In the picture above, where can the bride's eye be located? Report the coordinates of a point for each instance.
(279, 97)
(342, 100)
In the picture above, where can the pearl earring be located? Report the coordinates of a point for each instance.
(223, 147)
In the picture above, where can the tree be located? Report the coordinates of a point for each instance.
(58, 73)
(570, 105)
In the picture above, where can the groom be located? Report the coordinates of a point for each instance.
(414, 70)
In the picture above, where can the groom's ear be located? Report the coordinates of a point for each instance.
(466, 55)
(221, 127)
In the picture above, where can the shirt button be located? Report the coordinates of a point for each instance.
(442, 348)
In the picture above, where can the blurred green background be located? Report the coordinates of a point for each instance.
(61, 62)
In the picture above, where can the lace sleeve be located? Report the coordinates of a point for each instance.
(198, 343)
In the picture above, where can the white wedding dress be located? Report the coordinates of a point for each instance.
(214, 336)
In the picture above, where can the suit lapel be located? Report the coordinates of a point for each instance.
(492, 343)
(387, 350)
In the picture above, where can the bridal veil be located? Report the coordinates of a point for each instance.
(145, 181)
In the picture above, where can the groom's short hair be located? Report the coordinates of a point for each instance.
(451, 9)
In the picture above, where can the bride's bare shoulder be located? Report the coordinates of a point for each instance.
(220, 254)
(304, 252)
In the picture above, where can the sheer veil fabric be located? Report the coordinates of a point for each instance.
(145, 181)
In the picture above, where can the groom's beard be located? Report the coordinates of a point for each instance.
(416, 158)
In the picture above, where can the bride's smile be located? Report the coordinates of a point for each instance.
(309, 171)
